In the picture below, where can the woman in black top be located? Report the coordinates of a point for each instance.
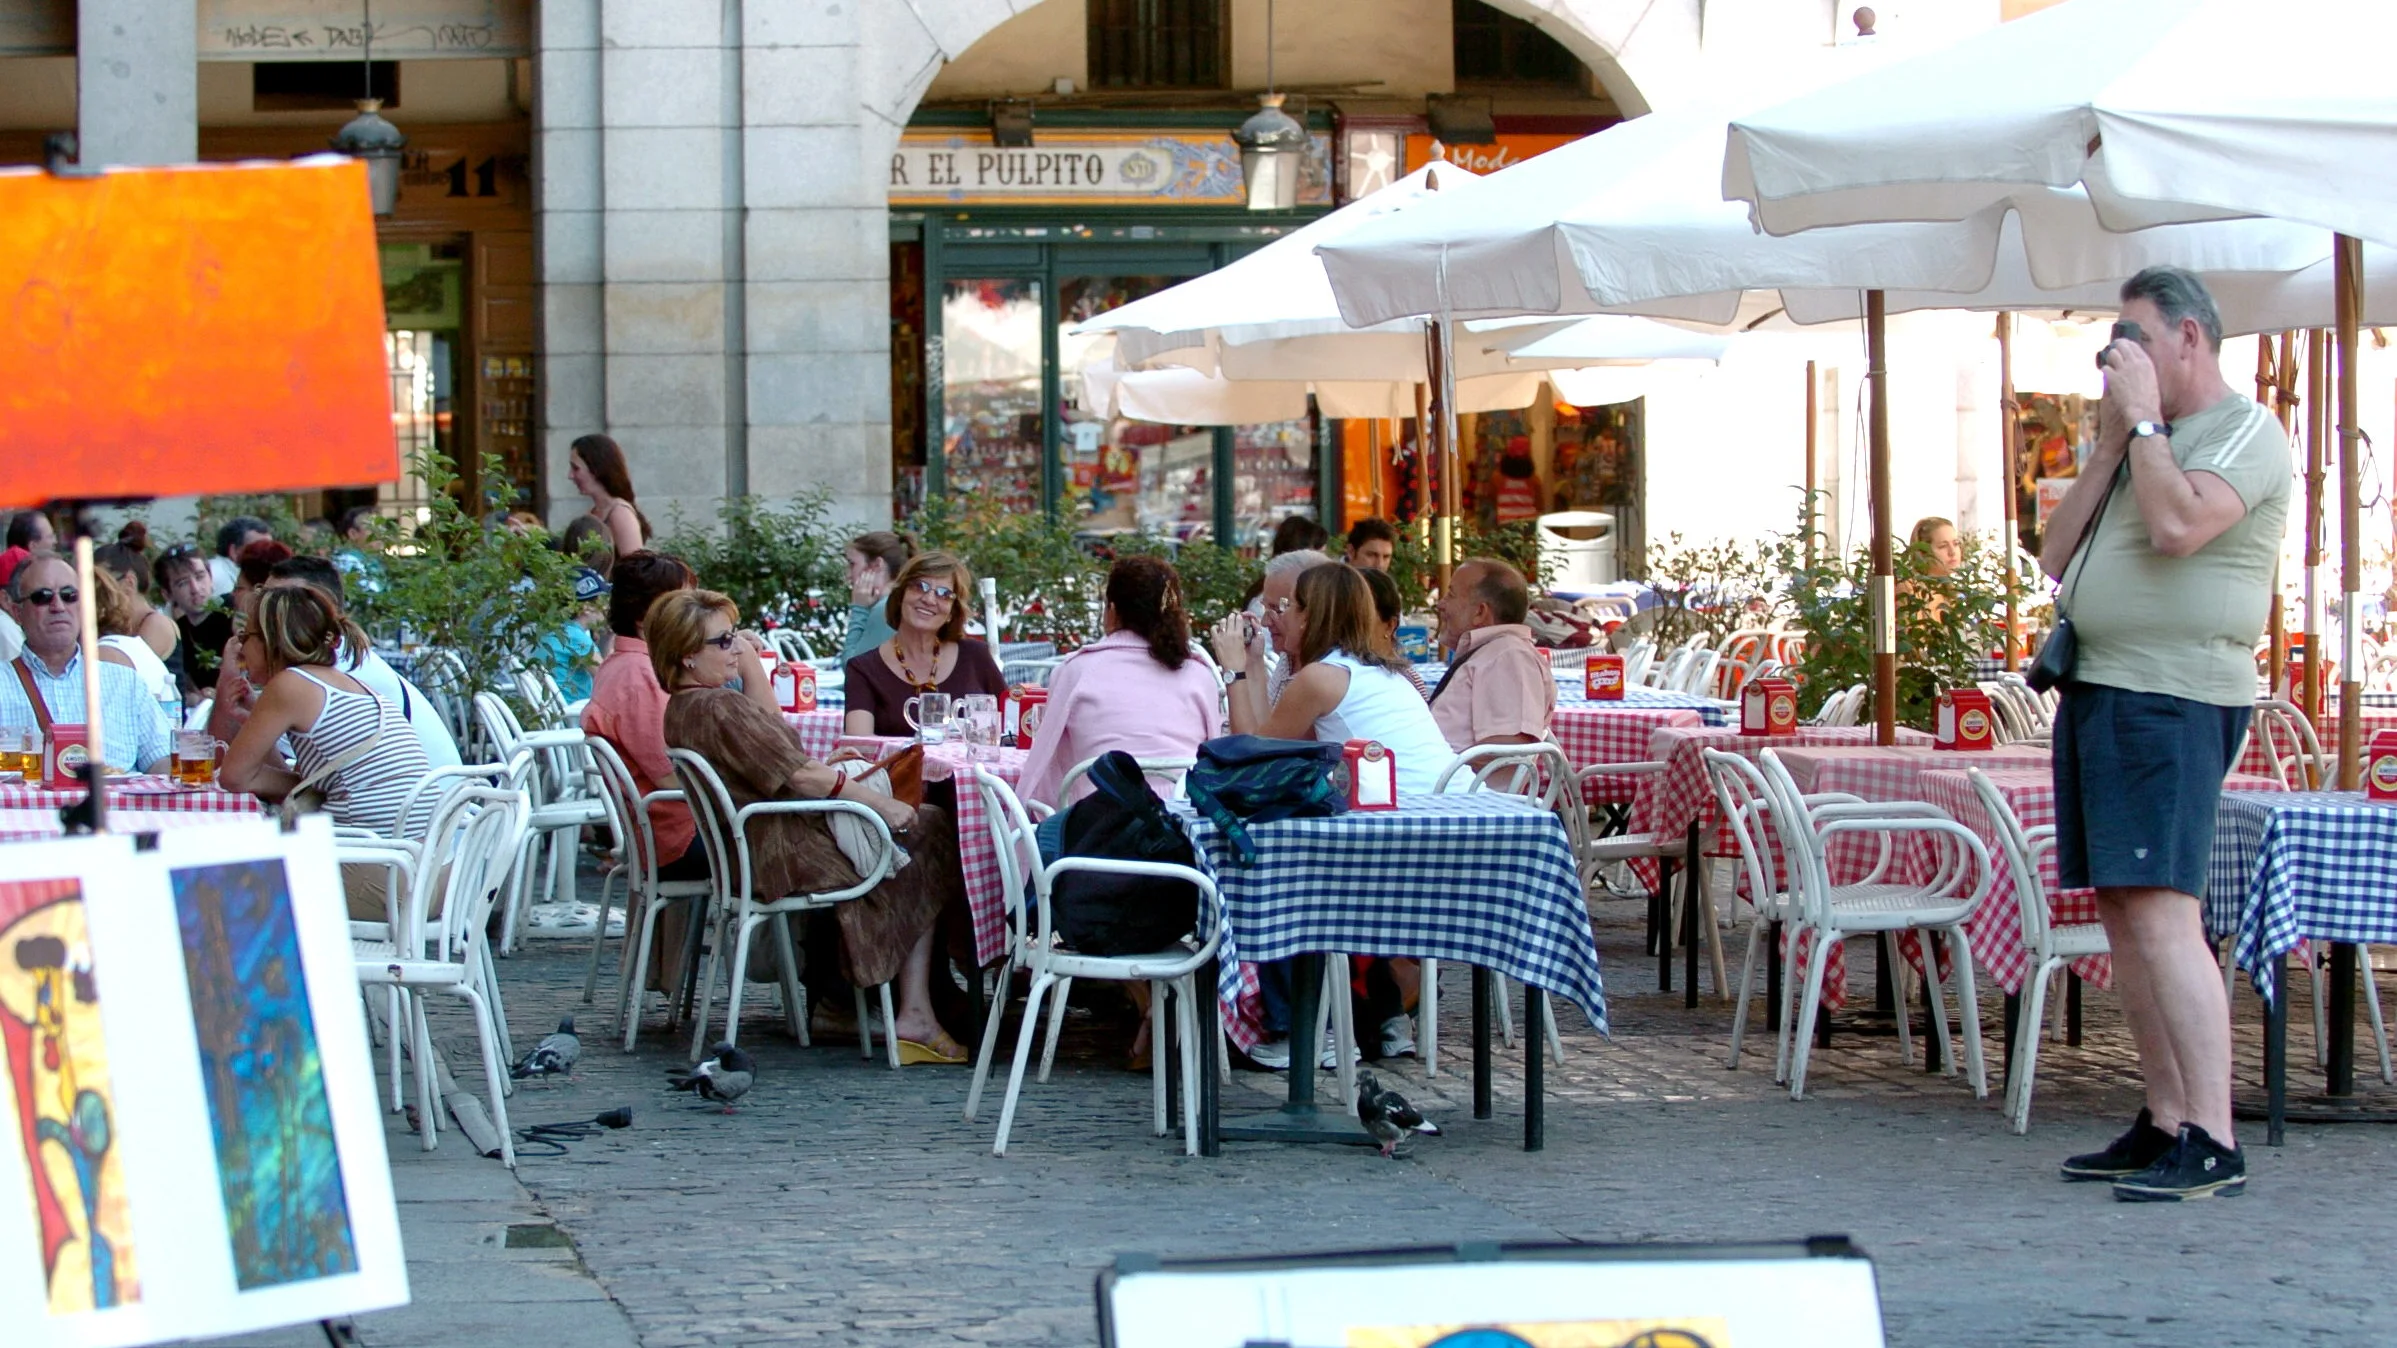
(928, 651)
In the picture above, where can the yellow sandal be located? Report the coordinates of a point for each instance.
(913, 1053)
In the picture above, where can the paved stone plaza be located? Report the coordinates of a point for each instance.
(844, 1203)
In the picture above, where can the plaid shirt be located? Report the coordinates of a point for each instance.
(135, 731)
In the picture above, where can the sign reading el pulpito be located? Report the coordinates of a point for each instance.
(1192, 168)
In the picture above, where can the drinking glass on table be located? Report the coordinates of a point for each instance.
(978, 717)
(21, 751)
(928, 715)
(195, 757)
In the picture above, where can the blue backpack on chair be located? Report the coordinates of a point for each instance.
(1249, 779)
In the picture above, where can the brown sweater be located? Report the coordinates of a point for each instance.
(756, 753)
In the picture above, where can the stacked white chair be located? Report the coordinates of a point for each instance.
(735, 909)
(1829, 914)
(563, 805)
(792, 645)
(1032, 946)
(473, 847)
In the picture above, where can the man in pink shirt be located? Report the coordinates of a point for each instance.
(628, 708)
(1499, 689)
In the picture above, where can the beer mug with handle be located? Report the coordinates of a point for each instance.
(928, 715)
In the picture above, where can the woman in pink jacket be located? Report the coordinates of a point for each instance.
(1139, 688)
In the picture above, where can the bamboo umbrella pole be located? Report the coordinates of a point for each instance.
(2349, 278)
(1884, 587)
(2317, 378)
(2009, 440)
(2276, 625)
(1809, 512)
(1444, 354)
(1423, 465)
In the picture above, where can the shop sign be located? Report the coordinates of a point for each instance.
(411, 30)
(1089, 168)
(1511, 149)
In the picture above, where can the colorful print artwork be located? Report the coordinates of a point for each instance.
(277, 1162)
(64, 1109)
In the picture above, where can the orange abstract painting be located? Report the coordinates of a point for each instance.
(204, 328)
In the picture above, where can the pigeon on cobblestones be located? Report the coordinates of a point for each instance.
(556, 1054)
(724, 1077)
(1387, 1115)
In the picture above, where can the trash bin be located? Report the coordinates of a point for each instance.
(1581, 544)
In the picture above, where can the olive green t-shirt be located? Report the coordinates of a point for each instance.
(2186, 626)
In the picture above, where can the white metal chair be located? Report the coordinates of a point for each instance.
(1842, 708)
(1636, 662)
(478, 837)
(2051, 946)
(2291, 748)
(562, 805)
(735, 910)
(1697, 678)
(645, 895)
(1542, 772)
(1032, 946)
(1832, 914)
(791, 644)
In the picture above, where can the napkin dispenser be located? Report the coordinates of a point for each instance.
(1371, 772)
(2380, 767)
(1769, 706)
(1021, 712)
(1965, 720)
(795, 686)
(65, 749)
(1602, 677)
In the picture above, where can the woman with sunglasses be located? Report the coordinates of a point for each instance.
(887, 934)
(927, 652)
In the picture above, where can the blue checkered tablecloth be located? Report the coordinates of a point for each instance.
(2301, 865)
(1483, 878)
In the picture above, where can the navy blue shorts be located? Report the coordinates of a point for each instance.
(2138, 776)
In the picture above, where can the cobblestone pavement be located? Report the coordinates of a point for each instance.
(845, 1203)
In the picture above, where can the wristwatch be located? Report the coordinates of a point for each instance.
(2144, 429)
(1237, 676)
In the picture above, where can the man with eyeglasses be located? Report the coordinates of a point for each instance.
(43, 596)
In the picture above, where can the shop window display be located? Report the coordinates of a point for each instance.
(1273, 477)
(990, 398)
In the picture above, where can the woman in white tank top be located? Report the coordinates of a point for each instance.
(290, 652)
(1350, 683)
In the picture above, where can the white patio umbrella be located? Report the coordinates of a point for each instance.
(1632, 220)
(2165, 110)
(1271, 318)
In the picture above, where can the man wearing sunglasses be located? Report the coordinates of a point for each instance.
(43, 597)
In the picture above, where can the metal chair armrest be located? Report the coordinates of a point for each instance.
(885, 845)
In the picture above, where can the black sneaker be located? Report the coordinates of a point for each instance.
(2125, 1156)
(2196, 1167)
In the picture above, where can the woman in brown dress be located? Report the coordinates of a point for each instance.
(927, 653)
(886, 936)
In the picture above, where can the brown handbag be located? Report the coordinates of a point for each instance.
(905, 767)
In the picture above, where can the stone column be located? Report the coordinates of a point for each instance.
(137, 81)
(570, 223)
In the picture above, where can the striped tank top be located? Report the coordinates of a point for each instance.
(369, 793)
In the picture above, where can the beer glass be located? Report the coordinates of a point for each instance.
(978, 718)
(195, 757)
(21, 751)
(928, 715)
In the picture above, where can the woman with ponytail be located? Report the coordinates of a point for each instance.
(1140, 688)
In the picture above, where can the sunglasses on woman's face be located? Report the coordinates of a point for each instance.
(722, 641)
(64, 594)
(943, 593)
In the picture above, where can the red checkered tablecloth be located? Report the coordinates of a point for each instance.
(1671, 800)
(818, 729)
(2326, 727)
(944, 762)
(146, 794)
(1996, 927)
(1593, 733)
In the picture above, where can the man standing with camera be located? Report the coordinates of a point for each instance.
(2165, 548)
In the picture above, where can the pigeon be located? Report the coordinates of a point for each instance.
(555, 1054)
(1387, 1115)
(724, 1077)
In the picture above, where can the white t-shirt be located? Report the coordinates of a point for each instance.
(223, 575)
(1384, 706)
(423, 717)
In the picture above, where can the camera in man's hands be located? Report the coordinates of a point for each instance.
(2121, 330)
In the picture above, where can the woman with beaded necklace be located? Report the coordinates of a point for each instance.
(927, 653)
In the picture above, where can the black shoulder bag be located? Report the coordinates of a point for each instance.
(2053, 665)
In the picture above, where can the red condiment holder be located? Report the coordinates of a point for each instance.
(1602, 677)
(65, 749)
(795, 686)
(1769, 706)
(1966, 720)
(1021, 714)
(1372, 773)
(2380, 766)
